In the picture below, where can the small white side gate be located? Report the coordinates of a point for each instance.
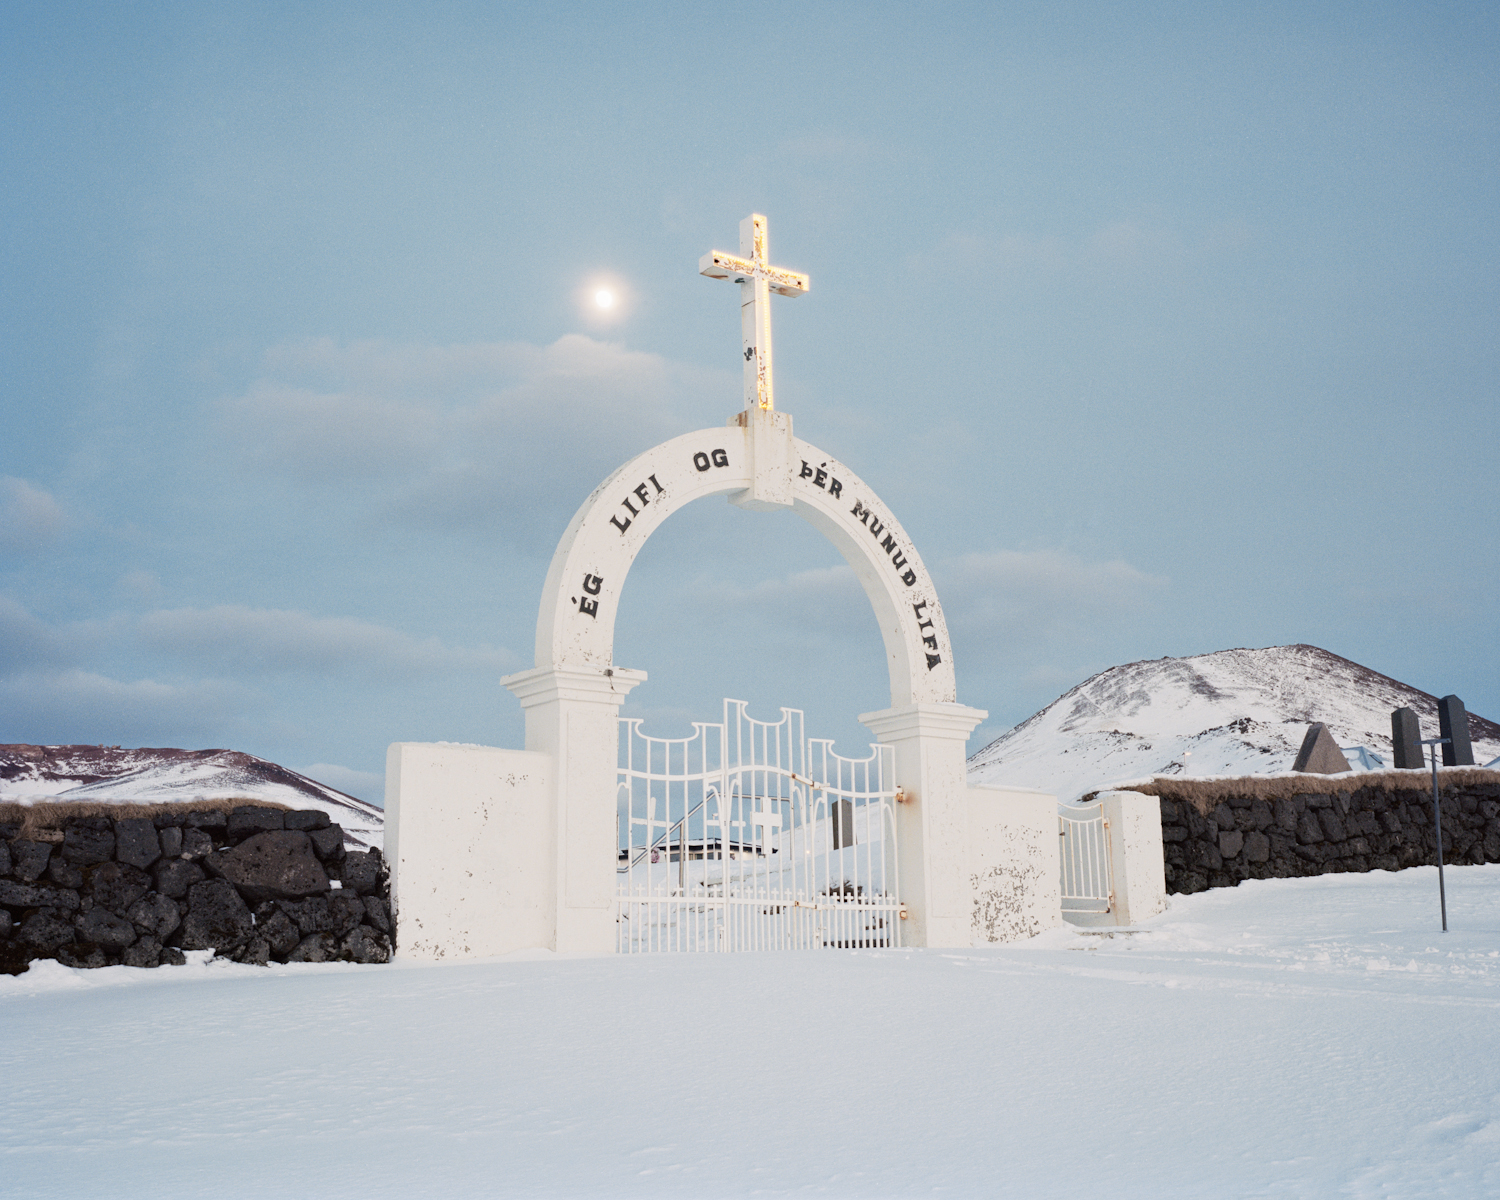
(747, 835)
(1087, 886)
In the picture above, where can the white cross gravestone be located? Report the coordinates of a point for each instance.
(496, 850)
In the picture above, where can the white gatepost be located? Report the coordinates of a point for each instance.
(573, 716)
(932, 817)
(572, 696)
(1137, 865)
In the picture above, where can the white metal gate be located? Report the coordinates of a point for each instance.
(1087, 886)
(748, 835)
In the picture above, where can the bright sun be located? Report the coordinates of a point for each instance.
(604, 298)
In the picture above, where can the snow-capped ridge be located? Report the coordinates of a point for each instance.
(111, 775)
(1229, 713)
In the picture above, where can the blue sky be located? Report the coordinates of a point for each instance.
(1162, 329)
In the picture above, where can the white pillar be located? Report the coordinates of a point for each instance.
(573, 716)
(932, 823)
(1137, 865)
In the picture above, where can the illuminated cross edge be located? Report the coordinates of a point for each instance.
(757, 280)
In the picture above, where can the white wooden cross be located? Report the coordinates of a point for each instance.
(757, 279)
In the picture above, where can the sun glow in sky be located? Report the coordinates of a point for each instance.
(306, 359)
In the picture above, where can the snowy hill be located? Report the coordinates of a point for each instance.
(1234, 712)
(110, 775)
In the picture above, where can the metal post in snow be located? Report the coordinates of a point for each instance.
(1437, 822)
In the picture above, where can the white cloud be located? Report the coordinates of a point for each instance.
(1012, 593)
(73, 706)
(29, 516)
(474, 434)
(232, 637)
(817, 600)
(364, 785)
(26, 642)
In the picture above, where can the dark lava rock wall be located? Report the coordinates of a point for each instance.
(256, 884)
(1373, 828)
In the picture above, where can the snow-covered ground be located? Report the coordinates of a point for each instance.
(1288, 1038)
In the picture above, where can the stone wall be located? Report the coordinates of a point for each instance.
(255, 883)
(1218, 832)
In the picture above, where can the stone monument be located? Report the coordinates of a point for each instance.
(1320, 754)
(1406, 740)
(1453, 724)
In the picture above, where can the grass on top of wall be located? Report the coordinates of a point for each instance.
(36, 818)
(1205, 794)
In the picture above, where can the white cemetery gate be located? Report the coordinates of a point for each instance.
(497, 850)
(750, 836)
(1087, 885)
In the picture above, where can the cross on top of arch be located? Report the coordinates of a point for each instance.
(751, 269)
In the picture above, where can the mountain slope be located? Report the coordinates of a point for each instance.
(1234, 712)
(110, 775)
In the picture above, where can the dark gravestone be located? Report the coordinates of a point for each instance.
(1406, 740)
(1453, 724)
(1320, 754)
(843, 823)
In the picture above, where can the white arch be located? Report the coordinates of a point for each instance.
(580, 599)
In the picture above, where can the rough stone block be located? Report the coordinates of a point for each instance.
(377, 913)
(171, 956)
(279, 930)
(1320, 754)
(172, 819)
(136, 842)
(45, 930)
(196, 844)
(143, 952)
(365, 945)
(88, 840)
(64, 873)
(29, 859)
(1333, 828)
(156, 915)
(5, 923)
(328, 843)
(5, 863)
(1309, 831)
(104, 929)
(1230, 843)
(82, 956)
(1257, 848)
(256, 952)
(1287, 814)
(14, 894)
(116, 886)
(275, 865)
(210, 819)
(1224, 816)
(217, 917)
(175, 875)
(171, 841)
(361, 870)
(315, 947)
(307, 819)
(251, 819)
